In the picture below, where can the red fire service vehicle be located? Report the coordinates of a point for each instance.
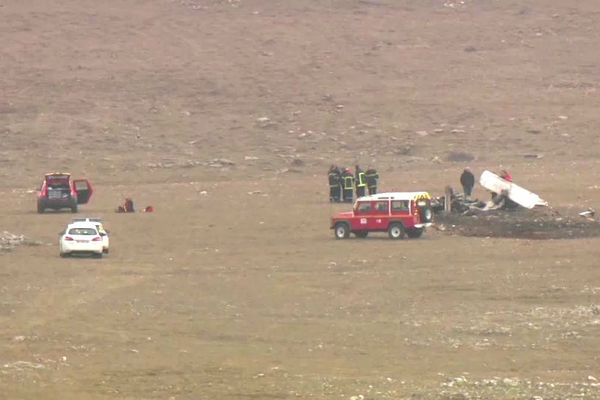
(58, 191)
(397, 213)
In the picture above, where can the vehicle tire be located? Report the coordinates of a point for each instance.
(40, 208)
(74, 209)
(361, 234)
(341, 230)
(414, 233)
(64, 255)
(105, 251)
(426, 213)
(396, 231)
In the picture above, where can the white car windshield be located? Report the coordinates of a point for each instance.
(82, 231)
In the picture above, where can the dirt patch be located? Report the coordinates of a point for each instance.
(225, 116)
(520, 223)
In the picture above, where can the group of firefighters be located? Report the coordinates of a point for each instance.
(343, 182)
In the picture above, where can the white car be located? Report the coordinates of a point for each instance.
(103, 232)
(81, 238)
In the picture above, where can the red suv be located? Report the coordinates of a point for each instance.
(398, 214)
(58, 191)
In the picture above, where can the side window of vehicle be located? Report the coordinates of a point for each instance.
(400, 206)
(381, 207)
(364, 208)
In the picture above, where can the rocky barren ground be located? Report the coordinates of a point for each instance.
(225, 115)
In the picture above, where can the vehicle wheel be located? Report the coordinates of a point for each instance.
(105, 251)
(361, 234)
(342, 231)
(40, 208)
(64, 255)
(414, 233)
(426, 214)
(74, 209)
(396, 231)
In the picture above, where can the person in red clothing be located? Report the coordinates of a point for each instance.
(508, 203)
(504, 174)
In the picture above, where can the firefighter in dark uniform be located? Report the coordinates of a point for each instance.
(372, 177)
(361, 182)
(335, 180)
(347, 185)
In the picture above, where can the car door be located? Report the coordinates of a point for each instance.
(361, 214)
(84, 190)
(379, 216)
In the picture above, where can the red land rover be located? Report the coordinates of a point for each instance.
(398, 214)
(58, 191)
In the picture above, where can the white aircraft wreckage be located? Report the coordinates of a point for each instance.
(512, 212)
(514, 192)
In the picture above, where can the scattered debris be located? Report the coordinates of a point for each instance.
(9, 241)
(589, 213)
(513, 212)
(520, 223)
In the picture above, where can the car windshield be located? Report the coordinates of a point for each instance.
(82, 231)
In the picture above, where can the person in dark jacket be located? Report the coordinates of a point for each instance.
(335, 179)
(127, 207)
(467, 180)
(361, 182)
(372, 177)
(347, 185)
